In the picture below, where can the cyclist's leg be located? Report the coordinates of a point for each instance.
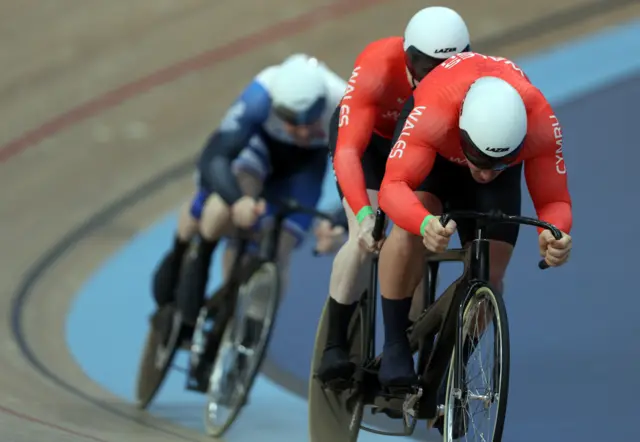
(401, 271)
(250, 168)
(349, 275)
(166, 275)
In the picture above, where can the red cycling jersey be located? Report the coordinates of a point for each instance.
(376, 92)
(432, 129)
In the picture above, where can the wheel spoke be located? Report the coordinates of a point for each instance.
(475, 412)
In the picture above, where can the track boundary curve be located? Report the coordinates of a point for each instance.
(111, 210)
(42, 265)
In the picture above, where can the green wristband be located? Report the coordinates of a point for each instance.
(363, 213)
(424, 224)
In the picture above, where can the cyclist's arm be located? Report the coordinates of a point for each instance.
(412, 158)
(241, 122)
(358, 110)
(406, 168)
(549, 190)
(546, 172)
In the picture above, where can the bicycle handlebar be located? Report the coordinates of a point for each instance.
(499, 217)
(489, 217)
(378, 227)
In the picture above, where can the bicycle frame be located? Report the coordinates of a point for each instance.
(434, 356)
(268, 244)
(268, 250)
(368, 304)
(477, 274)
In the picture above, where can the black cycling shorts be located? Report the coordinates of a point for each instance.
(374, 158)
(456, 189)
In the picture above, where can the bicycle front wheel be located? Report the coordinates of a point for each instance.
(243, 348)
(477, 389)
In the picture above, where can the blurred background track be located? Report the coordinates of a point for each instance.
(98, 98)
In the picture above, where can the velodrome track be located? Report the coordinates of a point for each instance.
(106, 102)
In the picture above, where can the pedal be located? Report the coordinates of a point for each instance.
(409, 407)
(435, 422)
(198, 377)
(197, 383)
(398, 391)
(335, 385)
(390, 413)
(410, 402)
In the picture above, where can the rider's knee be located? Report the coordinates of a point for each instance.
(215, 218)
(187, 222)
(405, 243)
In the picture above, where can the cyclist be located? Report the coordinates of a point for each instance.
(272, 143)
(383, 78)
(470, 127)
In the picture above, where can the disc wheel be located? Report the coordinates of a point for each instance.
(334, 416)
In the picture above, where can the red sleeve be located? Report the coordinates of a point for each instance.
(546, 173)
(358, 110)
(409, 163)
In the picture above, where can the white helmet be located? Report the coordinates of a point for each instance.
(493, 123)
(299, 90)
(432, 35)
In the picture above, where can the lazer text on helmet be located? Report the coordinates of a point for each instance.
(398, 148)
(557, 134)
(344, 108)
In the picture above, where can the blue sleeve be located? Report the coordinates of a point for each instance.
(242, 121)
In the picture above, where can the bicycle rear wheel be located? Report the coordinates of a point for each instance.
(242, 349)
(475, 387)
(159, 350)
(334, 416)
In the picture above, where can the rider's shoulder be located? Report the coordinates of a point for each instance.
(386, 47)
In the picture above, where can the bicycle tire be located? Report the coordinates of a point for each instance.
(330, 419)
(150, 378)
(269, 271)
(501, 329)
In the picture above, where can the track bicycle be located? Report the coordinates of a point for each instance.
(232, 332)
(445, 336)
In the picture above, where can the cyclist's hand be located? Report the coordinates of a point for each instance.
(436, 238)
(328, 237)
(365, 235)
(554, 251)
(246, 211)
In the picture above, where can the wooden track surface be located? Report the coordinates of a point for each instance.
(98, 97)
